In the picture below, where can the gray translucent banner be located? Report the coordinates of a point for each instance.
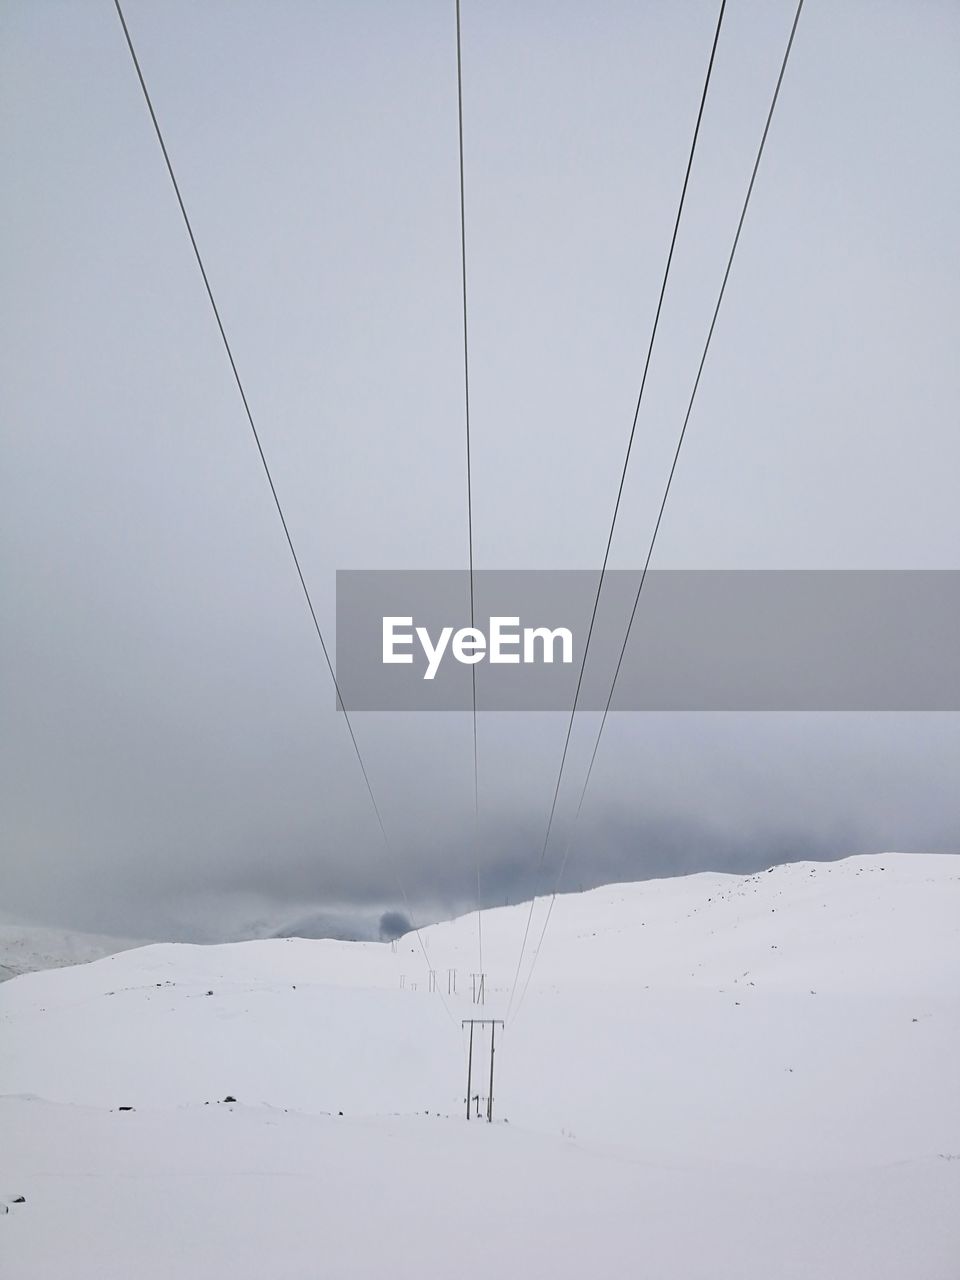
(739, 640)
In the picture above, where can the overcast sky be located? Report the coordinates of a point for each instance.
(172, 762)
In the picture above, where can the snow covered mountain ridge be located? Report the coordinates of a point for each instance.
(722, 1075)
(27, 948)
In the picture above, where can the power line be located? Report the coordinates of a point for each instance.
(623, 476)
(266, 469)
(666, 491)
(466, 405)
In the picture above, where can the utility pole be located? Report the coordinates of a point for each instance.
(493, 1032)
(469, 1067)
(478, 983)
(451, 982)
(492, 1023)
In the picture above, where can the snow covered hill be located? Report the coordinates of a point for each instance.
(27, 948)
(714, 1076)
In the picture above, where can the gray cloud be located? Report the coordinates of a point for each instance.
(171, 762)
(394, 924)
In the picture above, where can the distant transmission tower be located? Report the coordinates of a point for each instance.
(492, 1023)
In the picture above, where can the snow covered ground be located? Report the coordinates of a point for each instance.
(714, 1076)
